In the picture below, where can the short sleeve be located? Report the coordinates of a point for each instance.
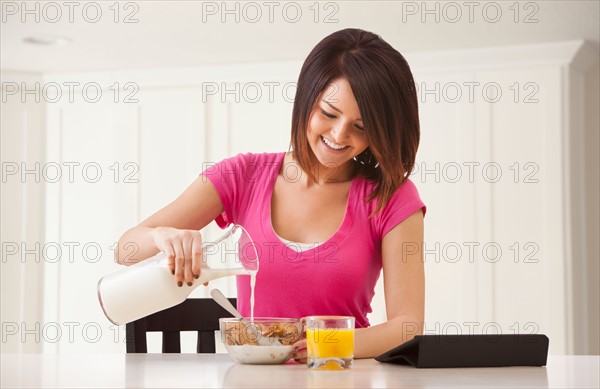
(403, 203)
(226, 177)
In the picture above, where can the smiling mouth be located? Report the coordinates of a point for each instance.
(332, 146)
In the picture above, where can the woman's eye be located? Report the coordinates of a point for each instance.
(360, 128)
(327, 114)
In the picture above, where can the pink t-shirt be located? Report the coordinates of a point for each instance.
(338, 276)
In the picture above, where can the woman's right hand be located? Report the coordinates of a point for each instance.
(184, 250)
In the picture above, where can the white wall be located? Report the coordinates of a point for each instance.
(175, 127)
(161, 143)
(22, 199)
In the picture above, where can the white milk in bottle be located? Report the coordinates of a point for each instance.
(148, 286)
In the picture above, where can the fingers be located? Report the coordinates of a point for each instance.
(167, 249)
(179, 263)
(299, 356)
(187, 268)
(196, 255)
(299, 351)
(184, 251)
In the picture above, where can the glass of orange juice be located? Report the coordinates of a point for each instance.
(329, 342)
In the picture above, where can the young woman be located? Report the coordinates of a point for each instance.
(327, 216)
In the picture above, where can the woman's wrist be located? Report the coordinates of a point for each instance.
(136, 245)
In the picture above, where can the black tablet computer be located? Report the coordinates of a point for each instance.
(427, 351)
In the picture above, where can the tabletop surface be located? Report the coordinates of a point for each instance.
(218, 370)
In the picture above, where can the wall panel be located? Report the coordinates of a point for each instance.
(22, 201)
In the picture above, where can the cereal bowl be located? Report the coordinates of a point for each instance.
(266, 340)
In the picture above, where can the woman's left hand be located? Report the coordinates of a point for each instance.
(299, 353)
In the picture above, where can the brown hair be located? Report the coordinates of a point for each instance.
(383, 86)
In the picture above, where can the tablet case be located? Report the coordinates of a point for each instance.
(426, 351)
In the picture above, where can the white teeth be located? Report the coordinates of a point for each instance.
(332, 145)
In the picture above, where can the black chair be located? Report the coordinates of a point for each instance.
(200, 315)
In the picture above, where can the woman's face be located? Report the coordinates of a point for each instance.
(335, 129)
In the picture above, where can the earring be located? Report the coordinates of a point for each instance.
(370, 154)
(365, 158)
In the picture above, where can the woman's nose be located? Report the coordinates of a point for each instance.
(339, 133)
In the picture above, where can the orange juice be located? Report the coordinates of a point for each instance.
(330, 342)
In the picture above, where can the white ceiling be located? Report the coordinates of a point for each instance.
(174, 34)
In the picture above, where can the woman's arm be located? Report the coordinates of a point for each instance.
(404, 288)
(197, 206)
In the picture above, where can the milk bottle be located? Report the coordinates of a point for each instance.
(148, 286)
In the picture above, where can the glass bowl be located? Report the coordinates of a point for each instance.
(267, 340)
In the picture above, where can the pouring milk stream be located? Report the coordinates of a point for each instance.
(148, 286)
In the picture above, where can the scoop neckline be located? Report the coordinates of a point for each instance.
(337, 236)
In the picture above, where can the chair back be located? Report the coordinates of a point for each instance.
(200, 315)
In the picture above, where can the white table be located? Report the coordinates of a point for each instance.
(218, 370)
